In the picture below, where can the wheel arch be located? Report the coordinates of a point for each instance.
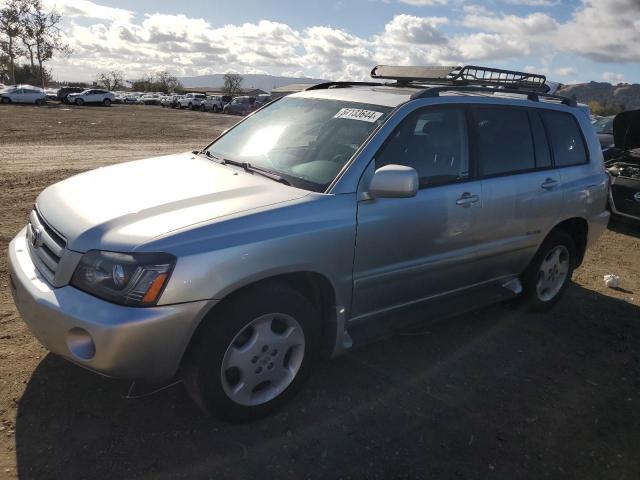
(314, 286)
(578, 228)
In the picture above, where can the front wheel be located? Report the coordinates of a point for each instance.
(6, 100)
(549, 273)
(79, 102)
(106, 102)
(253, 354)
(215, 109)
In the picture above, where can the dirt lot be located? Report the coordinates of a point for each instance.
(495, 394)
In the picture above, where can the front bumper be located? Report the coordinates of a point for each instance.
(118, 341)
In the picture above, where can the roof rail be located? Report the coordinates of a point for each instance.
(327, 85)
(432, 92)
(461, 75)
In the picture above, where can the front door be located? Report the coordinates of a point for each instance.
(411, 249)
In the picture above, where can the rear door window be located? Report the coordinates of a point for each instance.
(566, 140)
(503, 141)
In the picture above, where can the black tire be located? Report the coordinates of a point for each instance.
(6, 100)
(190, 106)
(106, 102)
(203, 108)
(215, 109)
(530, 296)
(39, 102)
(203, 377)
(79, 102)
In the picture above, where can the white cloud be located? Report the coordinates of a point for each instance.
(424, 3)
(85, 8)
(104, 38)
(565, 71)
(534, 3)
(612, 77)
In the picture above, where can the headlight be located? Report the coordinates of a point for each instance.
(135, 279)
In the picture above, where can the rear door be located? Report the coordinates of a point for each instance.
(411, 249)
(521, 191)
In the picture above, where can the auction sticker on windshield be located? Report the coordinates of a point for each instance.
(358, 114)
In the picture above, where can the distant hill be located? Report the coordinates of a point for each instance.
(263, 82)
(627, 95)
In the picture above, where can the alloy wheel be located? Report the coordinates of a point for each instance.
(552, 273)
(263, 359)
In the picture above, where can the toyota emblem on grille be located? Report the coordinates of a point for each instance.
(36, 237)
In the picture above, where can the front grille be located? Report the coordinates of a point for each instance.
(45, 245)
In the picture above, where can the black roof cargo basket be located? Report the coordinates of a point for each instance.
(461, 75)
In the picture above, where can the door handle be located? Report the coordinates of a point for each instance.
(467, 199)
(549, 183)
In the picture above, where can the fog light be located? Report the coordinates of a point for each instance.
(81, 344)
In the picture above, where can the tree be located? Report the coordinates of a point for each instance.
(11, 28)
(112, 80)
(43, 28)
(167, 83)
(160, 82)
(232, 84)
(143, 84)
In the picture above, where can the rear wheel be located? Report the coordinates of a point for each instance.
(202, 108)
(549, 273)
(253, 354)
(215, 109)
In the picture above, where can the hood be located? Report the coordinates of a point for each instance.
(125, 205)
(626, 130)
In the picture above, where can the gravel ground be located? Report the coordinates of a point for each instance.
(494, 394)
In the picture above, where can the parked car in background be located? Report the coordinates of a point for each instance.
(63, 92)
(240, 266)
(241, 106)
(263, 99)
(51, 93)
(213, 103)
(622, 159)
(23, 94)
(119, 97)
(149, 99)
(132, 97)
(91, 96)
(191, 100)
(604, 128)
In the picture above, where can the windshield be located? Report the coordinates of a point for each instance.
(307, 141)
(604, 125)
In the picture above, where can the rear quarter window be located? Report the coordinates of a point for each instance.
(567, 143)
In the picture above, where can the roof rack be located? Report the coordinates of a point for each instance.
(432, 92)
(326, 85)
(461, 75)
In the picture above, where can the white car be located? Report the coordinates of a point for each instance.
(23, 94)
(191, 100)
(95, 95)
(215, 103)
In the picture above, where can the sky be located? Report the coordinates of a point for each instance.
(570, 41)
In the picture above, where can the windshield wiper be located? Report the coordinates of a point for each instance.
(261, 171)
(250, 168)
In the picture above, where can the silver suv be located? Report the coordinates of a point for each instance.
(305, 229)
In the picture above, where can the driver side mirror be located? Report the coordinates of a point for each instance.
(394, 181)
